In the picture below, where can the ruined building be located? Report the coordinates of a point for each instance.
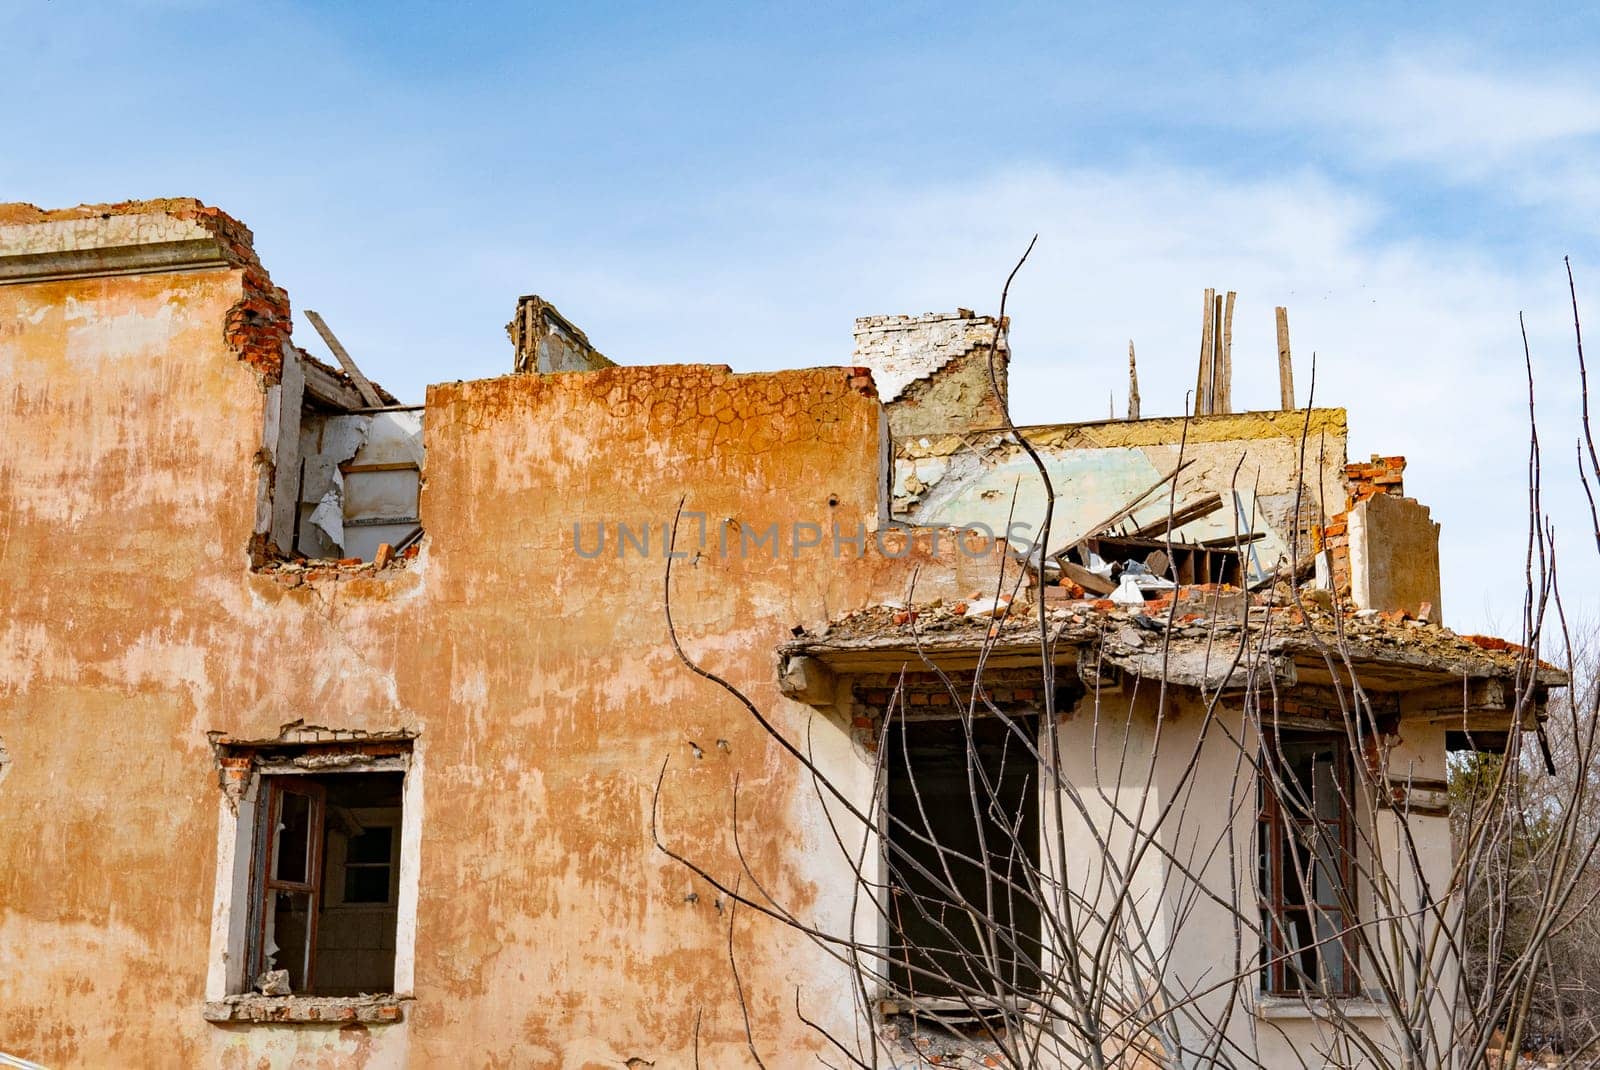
(331, 727)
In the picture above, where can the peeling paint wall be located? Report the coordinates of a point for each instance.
(137, 476)
(539, 684)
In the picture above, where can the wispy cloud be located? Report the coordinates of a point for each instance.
(1446, 117)
(1445, 106)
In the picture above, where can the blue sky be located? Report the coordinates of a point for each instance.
(734, 183)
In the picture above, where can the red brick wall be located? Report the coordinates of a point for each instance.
(1381, 475)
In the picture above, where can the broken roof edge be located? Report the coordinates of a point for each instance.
(1151, 431)
(906, 321)
(949, 636)
(159, 236)
(334, 388)
(126, 237)
(859, 379)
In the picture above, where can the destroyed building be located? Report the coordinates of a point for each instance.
(332, 728)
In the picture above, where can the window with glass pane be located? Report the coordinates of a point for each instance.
(1305, 878)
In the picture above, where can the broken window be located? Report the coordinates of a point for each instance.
(360, 483)
(963, 849)
(325, 871)
(341, 467)
(1305, 854)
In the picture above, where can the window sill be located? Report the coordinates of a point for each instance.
(1288, 1008)
(304, 1010)
(950, 1010)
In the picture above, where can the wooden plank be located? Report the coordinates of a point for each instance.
(1225, 542)
(1225, 359)
(1133, 384)
(1216, 344)
(1202, 388)
(1092, 582)
(325, 387)
(363, 384)
(1189, 512)
(1285, 365)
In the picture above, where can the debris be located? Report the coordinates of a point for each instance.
(988, 607)
(1192, 511)
(384, 555)
(1425, 613)
(1128, 592)
(1126, 511)
(1130, 636)
(1089, 580)
(1147, 580)
(273, 983)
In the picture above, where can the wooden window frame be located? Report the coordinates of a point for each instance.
(265, 885)
(1280, 976)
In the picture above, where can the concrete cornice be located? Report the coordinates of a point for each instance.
(117, 260)
(131, 244)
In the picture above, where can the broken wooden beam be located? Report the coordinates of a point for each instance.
(1202, 389)
(1126, 511)
(1223, 391)
(1195, 510)
(1223, 542)
(1092, 582)
(1133, 384)
(363, 385)
(1285, 365)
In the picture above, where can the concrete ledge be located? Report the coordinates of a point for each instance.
(1284, 1008)
(185, 255)
(304, 1010)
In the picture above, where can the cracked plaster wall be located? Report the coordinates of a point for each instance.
(539, 684)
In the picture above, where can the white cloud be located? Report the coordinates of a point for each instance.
(1449, 117)
(1443, 106)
